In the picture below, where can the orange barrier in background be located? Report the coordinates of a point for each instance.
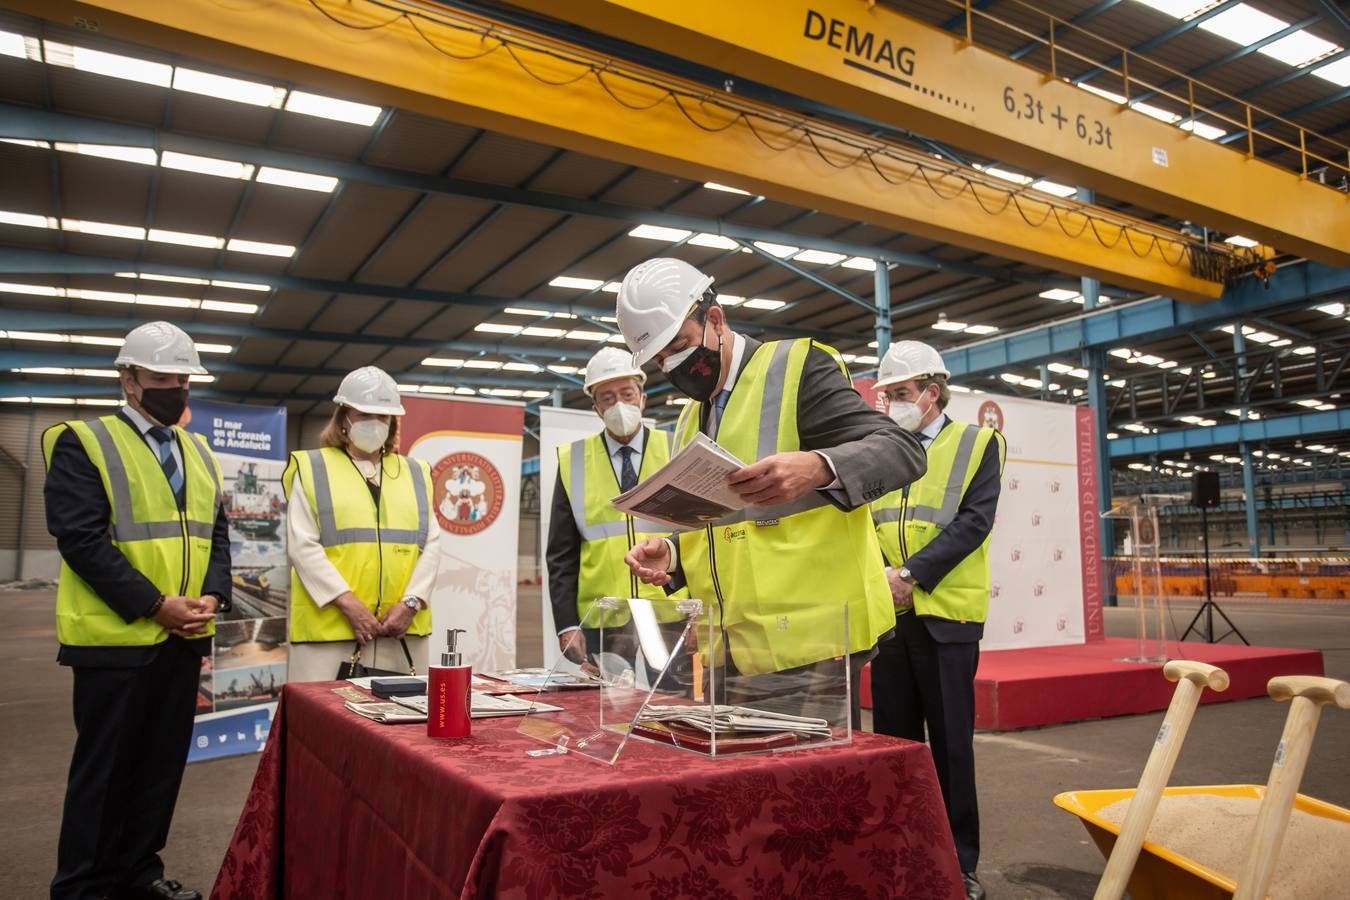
(1305, 578)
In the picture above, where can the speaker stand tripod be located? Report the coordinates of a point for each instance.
(1209, 607)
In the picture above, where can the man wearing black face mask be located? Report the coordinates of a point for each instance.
(134, 503)
(819, 455)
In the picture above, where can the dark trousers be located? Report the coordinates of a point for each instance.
(917, 680)
(133, 727)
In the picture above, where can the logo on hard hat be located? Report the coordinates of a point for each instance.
(991, 415)
(467, 491)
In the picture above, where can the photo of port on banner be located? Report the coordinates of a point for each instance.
(243, 677)
(1044, 559)
(473, 448)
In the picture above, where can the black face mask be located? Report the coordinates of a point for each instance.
(697, 374)
(165, 405)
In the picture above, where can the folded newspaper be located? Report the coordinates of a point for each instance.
(690, 491)
(736, 719)
(387, 713)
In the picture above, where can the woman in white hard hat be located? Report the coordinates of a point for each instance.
(362, 540)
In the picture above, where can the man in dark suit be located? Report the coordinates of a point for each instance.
(134, 504)
(817, 455)
(935, 536)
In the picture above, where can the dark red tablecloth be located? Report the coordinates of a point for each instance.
(345, 807)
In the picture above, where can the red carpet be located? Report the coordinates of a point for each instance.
(1048, 685)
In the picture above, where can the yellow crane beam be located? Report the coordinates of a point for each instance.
(479, 72)
(869, 59)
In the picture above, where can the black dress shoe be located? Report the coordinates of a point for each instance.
(163, 889)
(974, 890)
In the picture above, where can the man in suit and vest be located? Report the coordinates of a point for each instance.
(935, 538)
(782, 570)
(134, 503)
(587, 537)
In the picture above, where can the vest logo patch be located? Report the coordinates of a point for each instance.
(765, 523)
(734, 534)
(467, 493)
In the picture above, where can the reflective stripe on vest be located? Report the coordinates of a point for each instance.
(951, 494)
(963, 593)
(587, 475)
(375, 561)
(125, 527)
(332, 536)
(171, 547)
(577, 490)
(782, 576)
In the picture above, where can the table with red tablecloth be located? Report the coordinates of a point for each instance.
(345, 807)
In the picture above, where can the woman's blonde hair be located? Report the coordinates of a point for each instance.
(334, 434)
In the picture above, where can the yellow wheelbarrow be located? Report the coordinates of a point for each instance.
(1160, 873)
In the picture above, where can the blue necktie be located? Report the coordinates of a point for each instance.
(167, 462)
(627, 475)
(719, 407)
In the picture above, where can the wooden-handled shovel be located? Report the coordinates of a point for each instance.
(1307, 694)
(1191, 678)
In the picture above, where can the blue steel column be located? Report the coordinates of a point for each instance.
(1244, 448)
(1094, 360)
(882, 299)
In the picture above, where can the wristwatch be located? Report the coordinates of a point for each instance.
(413, 603)
(906, 575)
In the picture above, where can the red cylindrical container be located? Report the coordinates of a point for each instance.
(448, 693)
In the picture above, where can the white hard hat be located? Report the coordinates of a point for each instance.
(654, 300)
(906, 360)
(370, 390)
(610, 363)
(160, 347)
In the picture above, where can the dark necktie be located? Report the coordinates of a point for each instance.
(167, 462)
(627, 474)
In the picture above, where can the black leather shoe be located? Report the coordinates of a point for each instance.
(163, 889)
(974, 890)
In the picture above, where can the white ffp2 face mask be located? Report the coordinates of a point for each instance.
(906, 414)
(622, 419)
(368, 435)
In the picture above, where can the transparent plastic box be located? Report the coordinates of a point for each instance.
(660, 671)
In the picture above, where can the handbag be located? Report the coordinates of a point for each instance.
(353, 668)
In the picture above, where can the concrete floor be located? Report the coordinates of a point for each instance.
(1031, 849)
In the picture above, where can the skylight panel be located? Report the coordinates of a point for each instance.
(332, 108)
(1244, 25)
(1299, 48)
(225, 88)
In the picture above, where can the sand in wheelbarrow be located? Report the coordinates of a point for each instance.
(1217, 831)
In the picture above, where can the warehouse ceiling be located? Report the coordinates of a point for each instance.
(465, 260)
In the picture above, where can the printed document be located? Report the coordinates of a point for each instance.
(688, 492)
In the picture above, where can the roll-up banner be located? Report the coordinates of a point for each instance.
(243, 677)
(473, 447)
(558, 427)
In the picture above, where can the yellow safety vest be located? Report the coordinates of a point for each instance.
(169, 546)
(929, 505)
(607, 534)
(374, 549)
(782, 575)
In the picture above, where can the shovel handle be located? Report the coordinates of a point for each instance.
(1200, 674)
(1318, 690)
(1307, 695)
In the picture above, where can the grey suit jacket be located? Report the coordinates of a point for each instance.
(871, 454)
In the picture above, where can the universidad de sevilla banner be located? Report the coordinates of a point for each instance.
(473, 447)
